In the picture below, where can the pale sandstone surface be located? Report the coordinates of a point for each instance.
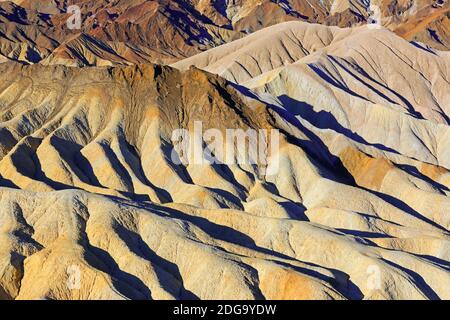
(89, 191)
(93, 206)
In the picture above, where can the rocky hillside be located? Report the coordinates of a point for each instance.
(165, 31)
(93, 205)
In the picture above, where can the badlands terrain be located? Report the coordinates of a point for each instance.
(93, 204)
(165, 31)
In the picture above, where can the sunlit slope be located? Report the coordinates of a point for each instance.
(89, 186)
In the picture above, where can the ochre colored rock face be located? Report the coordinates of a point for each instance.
(95, 202)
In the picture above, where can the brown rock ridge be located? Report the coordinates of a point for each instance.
(163, 31)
